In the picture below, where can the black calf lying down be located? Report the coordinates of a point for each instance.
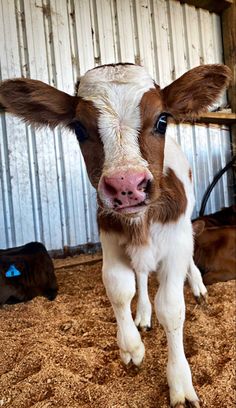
(26, 272)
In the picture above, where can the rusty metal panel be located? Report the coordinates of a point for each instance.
(44, 190)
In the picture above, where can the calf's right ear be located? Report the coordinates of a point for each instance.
(37, 103)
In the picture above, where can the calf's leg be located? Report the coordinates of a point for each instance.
(170, 310)
(119, 281)
(144, 308)
(196, 283)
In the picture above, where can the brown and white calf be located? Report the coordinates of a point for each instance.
(144, 186)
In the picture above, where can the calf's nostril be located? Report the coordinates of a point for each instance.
(109, 188)
(142, 185)
(117, 201)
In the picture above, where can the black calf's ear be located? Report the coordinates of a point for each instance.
(37, 103)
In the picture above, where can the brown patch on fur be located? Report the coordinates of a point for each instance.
(37, 102)
(135, 232)
(92, 148)
(172, 202)
(151, 143)
(196, 90)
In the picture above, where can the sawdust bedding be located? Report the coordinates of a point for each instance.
(64, 353)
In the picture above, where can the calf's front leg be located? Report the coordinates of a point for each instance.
(119, 281)
(170, 310)
(144, 308)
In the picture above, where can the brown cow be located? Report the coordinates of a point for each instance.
(226, 216)
(215, 245)
(144, 186)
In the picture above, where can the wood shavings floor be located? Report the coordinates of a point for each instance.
(64, 353)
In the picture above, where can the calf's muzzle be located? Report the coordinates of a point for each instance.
(125, 191)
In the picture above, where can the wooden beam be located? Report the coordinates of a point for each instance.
(219, 118)
(215, 6)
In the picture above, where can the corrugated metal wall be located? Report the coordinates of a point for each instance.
(44, 191)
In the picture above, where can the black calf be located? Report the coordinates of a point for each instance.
(26, 272)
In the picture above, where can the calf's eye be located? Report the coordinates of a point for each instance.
(80, 131)
(161, 124)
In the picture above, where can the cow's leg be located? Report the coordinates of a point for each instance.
(144, 308)
(195, 281)
(119, 281)
(170, 310)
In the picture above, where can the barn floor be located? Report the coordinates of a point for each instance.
(64, 354)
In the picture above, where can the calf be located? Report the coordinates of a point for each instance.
(215, 250)
(144, 185)
(226, 216)
(26, 272)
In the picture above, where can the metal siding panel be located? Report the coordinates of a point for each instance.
(192, 36)
(15, 147)
(177, 38)
(45, 193)
(145, 36)
(105, 30)
(84, 37)
(77, 193)
(162, 40)
(206, 37)
(125, 29)
(48, 204)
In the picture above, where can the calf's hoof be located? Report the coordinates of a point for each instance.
(187, 404)
(143, 320)
(135, 356)
(202, 299)
(144, 328)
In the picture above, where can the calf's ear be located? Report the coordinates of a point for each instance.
(195, 91)
(37, 103)
(198, 227)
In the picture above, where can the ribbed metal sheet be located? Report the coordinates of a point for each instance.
(44, 191)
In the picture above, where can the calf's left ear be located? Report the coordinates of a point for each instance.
(37, 103)
(195, 91)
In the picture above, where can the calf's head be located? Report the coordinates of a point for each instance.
(119, 116)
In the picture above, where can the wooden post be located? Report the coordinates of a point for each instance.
(229, 43)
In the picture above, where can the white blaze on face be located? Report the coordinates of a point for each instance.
(116, 91)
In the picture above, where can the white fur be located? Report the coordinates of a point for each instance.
(118, 95)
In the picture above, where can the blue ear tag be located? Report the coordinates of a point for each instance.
(12, 272)
(162, 123)
(80, 132)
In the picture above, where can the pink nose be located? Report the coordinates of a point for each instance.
(124, 189)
